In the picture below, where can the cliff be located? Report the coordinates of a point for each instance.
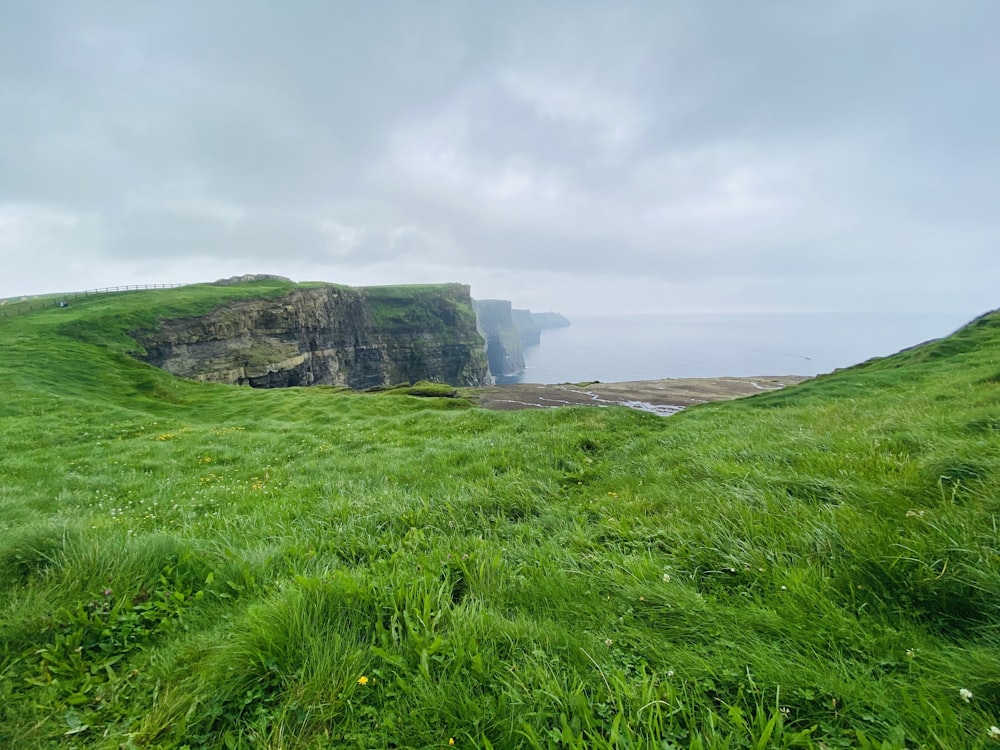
(528, 331)
(503, 342)
(549, 320)
(325, 334)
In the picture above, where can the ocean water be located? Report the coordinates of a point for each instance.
(648, 347)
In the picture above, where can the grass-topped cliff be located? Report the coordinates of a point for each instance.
(200, 565)
(324, 334)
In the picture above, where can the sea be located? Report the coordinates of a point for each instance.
(649, 347)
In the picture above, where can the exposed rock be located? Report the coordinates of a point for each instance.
(503, 342)
(331, 335)
(663, 397)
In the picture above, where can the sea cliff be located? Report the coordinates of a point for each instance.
(327, 334)
(503, 341)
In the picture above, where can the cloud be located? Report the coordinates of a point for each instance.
(615, 121)
(830, 156)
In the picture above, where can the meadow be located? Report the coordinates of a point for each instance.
(189, 565)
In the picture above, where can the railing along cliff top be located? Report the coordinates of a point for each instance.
(10, 308)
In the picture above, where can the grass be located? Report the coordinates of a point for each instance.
(201, 566)
(399, 309)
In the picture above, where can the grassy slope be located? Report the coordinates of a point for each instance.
(199, 565)
(400, 309)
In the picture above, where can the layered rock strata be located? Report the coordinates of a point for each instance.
(332, 335)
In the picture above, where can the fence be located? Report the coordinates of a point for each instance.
(9, 309)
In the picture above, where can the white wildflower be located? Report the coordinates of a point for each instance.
(965, 694)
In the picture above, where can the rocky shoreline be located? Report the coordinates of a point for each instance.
(663, 397)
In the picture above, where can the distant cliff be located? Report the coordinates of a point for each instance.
(325, 334)
(527, 329)
(508, 330)
(549, 320)
(503, 342)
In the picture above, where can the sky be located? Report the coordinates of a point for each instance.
(615, 156)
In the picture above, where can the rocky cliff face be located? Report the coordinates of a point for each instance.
(503, 342)
(331, 335)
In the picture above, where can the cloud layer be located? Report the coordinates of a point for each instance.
(626, 156)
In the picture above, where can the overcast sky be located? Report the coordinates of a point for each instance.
(627, 156)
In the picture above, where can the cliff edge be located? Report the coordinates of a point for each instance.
(327, 334)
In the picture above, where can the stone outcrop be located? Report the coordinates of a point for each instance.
(503, 342)
(325, 334)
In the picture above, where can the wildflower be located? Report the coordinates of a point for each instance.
(784, 588)
(965, 694)
(666, 578)
(994, 733)
(670, 673)
(608, 642)
(451, 741)
(910, 653)
(786, 711)
(362, 680)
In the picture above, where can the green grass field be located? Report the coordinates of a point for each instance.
(201, 566)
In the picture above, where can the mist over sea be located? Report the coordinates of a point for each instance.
(648, 347)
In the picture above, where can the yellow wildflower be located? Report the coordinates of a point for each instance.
(362, 680)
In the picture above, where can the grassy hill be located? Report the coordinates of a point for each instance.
(203, 566)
